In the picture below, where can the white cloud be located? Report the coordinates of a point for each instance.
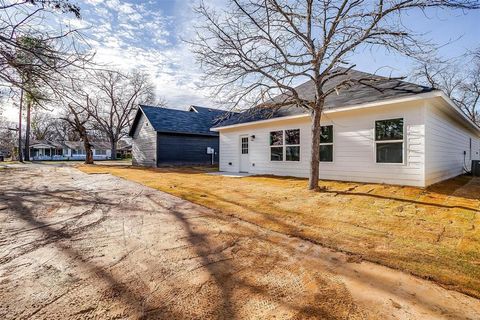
(137, 37)
(132, 36)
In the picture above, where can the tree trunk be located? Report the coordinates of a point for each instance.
(113, 149)
(20, 158)
(315, 155)
(27, 132)
(88, 150)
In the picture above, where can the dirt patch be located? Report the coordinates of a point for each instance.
(95, 246)
(430, 232)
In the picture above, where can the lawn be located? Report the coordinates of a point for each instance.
(433, 233)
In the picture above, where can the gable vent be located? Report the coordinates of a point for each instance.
(192, 109)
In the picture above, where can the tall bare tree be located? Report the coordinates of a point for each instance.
(74, 112)
(43, 126)
(26, 64)
(62, 47)
(78, 119)
(7, 135)
(63, 131)
(258, 49)
(35, 50)
(115, 97)
(458, 78)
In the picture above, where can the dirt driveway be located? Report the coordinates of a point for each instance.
(83, 246)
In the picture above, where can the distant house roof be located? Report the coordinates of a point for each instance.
(375, 88)
(95, 144)
(46, 143)
(68, 144)
(195, 120)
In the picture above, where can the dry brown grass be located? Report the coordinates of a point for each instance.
(433, 233)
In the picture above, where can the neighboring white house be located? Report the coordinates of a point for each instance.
(67, 150)
(404, 134)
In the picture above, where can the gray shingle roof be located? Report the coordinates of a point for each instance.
(180, 121)
(379, 88)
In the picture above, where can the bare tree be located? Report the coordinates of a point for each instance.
(458, 78)
(62, 47)
(35, 51)
(7, 135)
(115, 97)
(44, 126)
(255, 50)
(63, 131)
(79, 119)
(74, 101)
(26, 64)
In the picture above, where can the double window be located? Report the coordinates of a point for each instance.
(326, 144)
(389, 140)
(285, 145)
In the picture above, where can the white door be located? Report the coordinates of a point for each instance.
(244, 160)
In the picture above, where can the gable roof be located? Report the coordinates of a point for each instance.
(197, 120)
(380, 88)
(45, 143)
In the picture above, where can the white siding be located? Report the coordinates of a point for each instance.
(447, 140)
(354, 147)
(144, 144)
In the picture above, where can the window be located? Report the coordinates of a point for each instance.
(292, 145)
(244, 145)
(389, 141)
(276, 145)
(100, 152)
(78, 151)
(326, 144)
(288, 140)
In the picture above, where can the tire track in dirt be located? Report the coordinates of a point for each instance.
(121, 250)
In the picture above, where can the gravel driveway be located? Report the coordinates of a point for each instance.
(83, 246)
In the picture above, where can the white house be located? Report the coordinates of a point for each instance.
(404, 134)
(67, 150)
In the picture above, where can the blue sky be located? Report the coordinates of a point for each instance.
(147, 35)
(455, 31)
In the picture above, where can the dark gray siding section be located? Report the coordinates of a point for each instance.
(144, 144)
(185, 149)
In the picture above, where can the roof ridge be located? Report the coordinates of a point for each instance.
(182, 110)
(387, 78)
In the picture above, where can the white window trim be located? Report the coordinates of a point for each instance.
(375, 142)
(328, 144)
(284, 146)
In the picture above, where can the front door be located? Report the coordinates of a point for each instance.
(244, 160)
